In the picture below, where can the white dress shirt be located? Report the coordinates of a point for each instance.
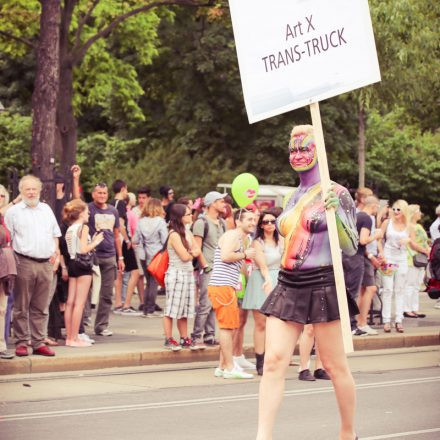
(32, 229)
(433, 230)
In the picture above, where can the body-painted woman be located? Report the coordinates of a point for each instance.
(306, 291)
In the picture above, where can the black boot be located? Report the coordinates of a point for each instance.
(260, 363)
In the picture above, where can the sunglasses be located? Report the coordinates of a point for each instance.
(269, 222)
(101, 185)
(396, 209)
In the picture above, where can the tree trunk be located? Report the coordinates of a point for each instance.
(44, 99)
(67, 124)
(361, 151)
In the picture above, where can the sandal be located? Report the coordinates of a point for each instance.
(399, 327)
(387, 328)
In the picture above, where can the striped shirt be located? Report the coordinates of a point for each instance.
(225, 274)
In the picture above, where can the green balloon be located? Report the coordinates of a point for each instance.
(245, 189)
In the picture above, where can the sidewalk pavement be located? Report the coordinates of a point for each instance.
(138, 341)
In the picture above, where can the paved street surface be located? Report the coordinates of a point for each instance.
(398, 397)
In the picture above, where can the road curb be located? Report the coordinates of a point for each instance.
(97, 361)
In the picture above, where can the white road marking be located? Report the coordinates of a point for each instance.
(401, 434)
(204, 401)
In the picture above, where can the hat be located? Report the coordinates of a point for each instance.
(212, 197)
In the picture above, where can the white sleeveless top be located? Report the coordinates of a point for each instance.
(394, 251)
(73, 240)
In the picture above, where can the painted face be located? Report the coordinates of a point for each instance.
(302, 152)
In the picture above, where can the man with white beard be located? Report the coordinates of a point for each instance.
(34, 235)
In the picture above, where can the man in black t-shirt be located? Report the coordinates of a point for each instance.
(354, 266)
(120, 189)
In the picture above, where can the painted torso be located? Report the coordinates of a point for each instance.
(303, 225)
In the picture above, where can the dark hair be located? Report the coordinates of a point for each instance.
(144, 190)
(260, 231)
(184, 200)
(240, 213)
(163, 190)
(118, 185)
(177, 211)
(228, 199)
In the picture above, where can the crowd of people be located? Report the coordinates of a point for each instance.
(210, 249)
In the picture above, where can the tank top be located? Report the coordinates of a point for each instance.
(394, 251)
(73, 240)
(225, 274)
(174, 260)
(272, 255)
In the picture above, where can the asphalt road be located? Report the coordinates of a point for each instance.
(192, 404)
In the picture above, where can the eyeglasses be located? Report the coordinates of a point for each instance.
(396, 209)
(269, 222)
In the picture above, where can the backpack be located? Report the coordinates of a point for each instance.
(205, 233)
(432, 278)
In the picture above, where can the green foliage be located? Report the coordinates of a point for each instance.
(15, 142)
(403, 162)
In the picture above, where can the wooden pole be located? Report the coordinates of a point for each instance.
(332, 230)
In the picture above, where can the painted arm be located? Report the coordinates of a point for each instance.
(340, 199)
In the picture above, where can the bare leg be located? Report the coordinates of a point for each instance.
(140, 288)
(259, 331)
(82, 291)
(134, 276)
(182, 326)
(69, 308)
(238, 334)
(281, 338)
(118, 289)
(168, 326)
(226, 349)
(305, 346)
(364, 303)
(333, 357)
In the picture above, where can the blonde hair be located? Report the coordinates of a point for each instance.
(131, 199)
(298, 129)
(72, 210)
(153, 208)
(6, 194)
(30, 177)
(412, 210)
(403, 205)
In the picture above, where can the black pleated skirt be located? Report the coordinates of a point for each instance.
(306, 297)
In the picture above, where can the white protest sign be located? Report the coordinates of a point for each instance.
(292, 53)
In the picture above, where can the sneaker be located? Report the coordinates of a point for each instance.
(218, 372)
(236, 374)
(199, 344)
(244, 363)
(437, 305)
(306, 375)
(105, 332)
(358, 332)
(368, 330)
(171, 344)
(117, 310)
(86, 338)
(188, 343)
(9, 355)
(158, 308)
(211, 341)
(130, 311)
